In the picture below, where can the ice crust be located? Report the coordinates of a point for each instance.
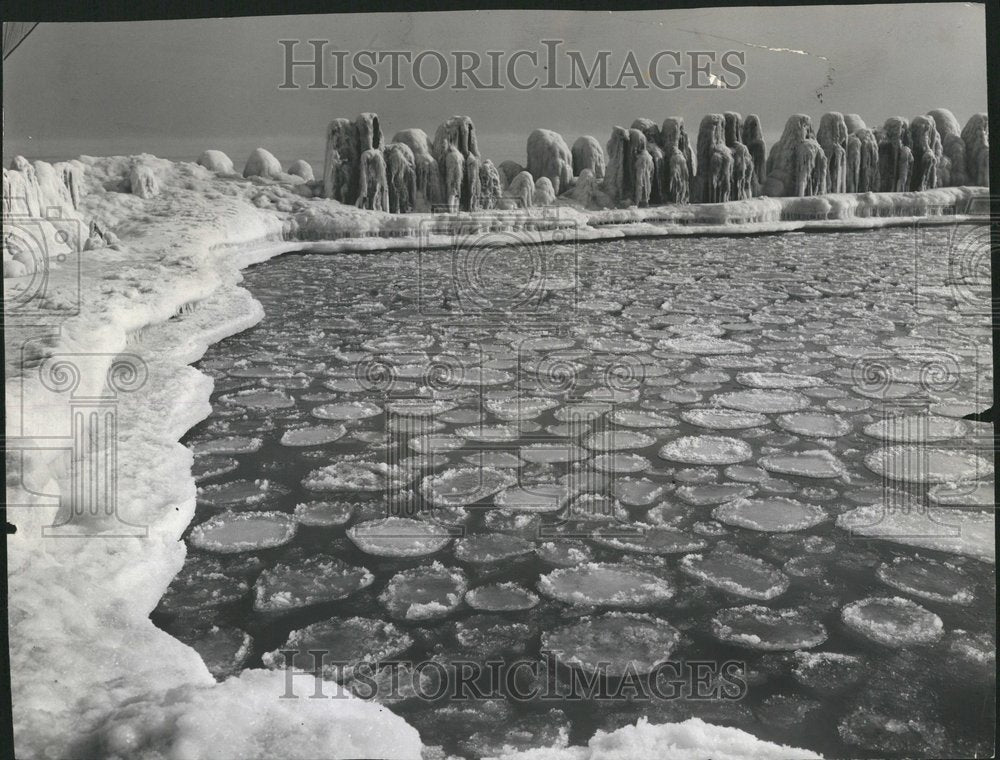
(138, 691)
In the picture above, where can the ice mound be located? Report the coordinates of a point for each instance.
(713, 493)
(345, 644)
(307, 581)
(232, 533)
(928, 579)
(636, 419)
(540, 497)
(490, 548)
(919, 464)
(613, 644)
(500, 597)
(706, 449)
(814, 424)
(763, 401)
(655, 540)
(704, 345)
(258, 399)
(347, 410)
(202, 584)
(906, 429)
(233, 444)
(315, 435)
(399, 537)
(944, 529)
(424, 593)
(828, 672)
(978, 494)
(773, 514)
(776, 380)
(637, 492)
(736, 573)
(324, 514)
(242, 718)
(770, 630)
(818, 463)
(893, 621)
(465, 485)
(618, 440)
(692, 739)
(356, 476)
(723, 419)
(605, 585)
(564, 553)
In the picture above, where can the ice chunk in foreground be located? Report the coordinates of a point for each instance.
(893, 621)
(605, 585)
(757, 627)
(232, 532)
(242, 718)
(613, 644)
(693, 739)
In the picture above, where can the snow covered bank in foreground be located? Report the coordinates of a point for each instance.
(694, 739)
(92, 677)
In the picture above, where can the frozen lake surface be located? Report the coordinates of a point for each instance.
(636, 450)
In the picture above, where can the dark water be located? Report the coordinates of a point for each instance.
(882, 294)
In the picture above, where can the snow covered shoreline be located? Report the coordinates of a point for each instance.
(91, 675)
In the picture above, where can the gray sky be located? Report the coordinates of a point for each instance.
(176, 88)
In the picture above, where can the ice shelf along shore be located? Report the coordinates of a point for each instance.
(129, 269)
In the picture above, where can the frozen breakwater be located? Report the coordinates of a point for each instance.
(156, 276)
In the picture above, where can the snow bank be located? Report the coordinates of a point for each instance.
(694, 739)
(91, 675)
